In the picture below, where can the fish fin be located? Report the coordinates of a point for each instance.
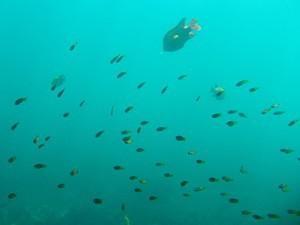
(182, 22)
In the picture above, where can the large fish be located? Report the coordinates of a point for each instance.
(176, 38)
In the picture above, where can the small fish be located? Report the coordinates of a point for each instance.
(138, 190)
(183, 183)
(99, 133)
(293, 122)
(127, 140)
(216, 115)
(274, 106)
(81, 103)
(61, 186)
(278, 113)
(40, 146)
(232, 111)
(66, 114)
(242, 115)
(73, 46)
(246, 212)
(121, 74)
(181, 77)
(241, 83)
(199, 189)
(47, 138)
(197, 99)
(139, 130)
(292, 211)
(227, 179)
(286, 150)
(118, 167)
(59, 94)
(257, 217)
(133, 178)
(213, 180)
(97, 201)
(12, 159)
(36, 140)
(254, 89)
(284, 187)
(14, 126)
(231, 123)
(119, 59)
(218, 91)
(233, 200)
(39, 166)
(141, 85)
(192, 152)
(143, 181)
(112, 110)
(168, 175)
(57, 81)
(164, 89)
(159, 164)
(224, 194)
(160, 129)
(180, 138)
(128, 109)
(123, 207)
(140, 150)
(243, 170)
(74, 172)
(273, 216)
(125, 132)
(152, 198)
(12, 196)
(20, 100)
(144, 122)
(265, 111)
(200, 161)
(114, 59)
(186, 195)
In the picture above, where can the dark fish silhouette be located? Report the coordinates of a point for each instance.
(181, 77)
(81, 103)
(59, 94)
(99, 133)
(121, 74)
(123, 207)
(12, 159)
(73, 46)
(116, 59)
(165, 88)
(119, 59)
(14, 126)
(176, 38)
(39, 166)
(112, 110)
(113, 60)
(141, 85)
(20, 100)
(12, 196)
(128, 109)
(66, 114)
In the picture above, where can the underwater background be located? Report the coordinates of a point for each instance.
(101, 150)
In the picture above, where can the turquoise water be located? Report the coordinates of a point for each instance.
(256, 40)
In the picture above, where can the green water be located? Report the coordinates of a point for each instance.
(254, 40)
